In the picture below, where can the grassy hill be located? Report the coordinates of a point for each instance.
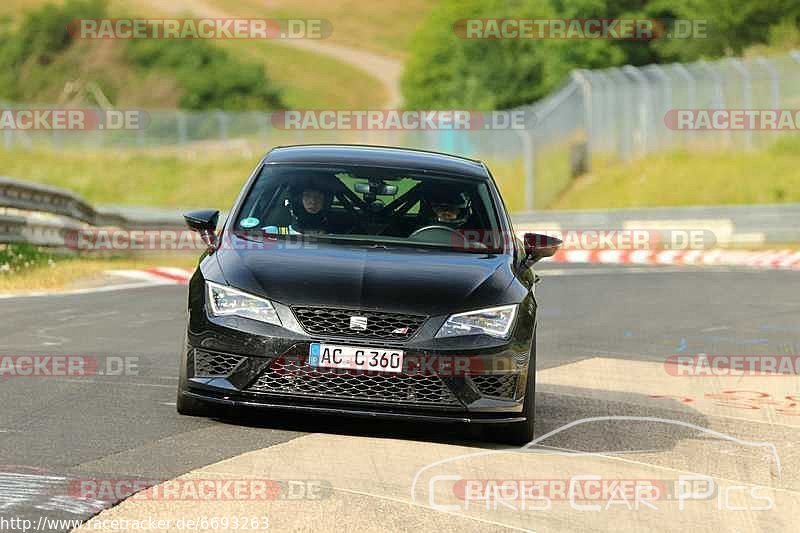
(684, 178)
(304, 79)
(384, 27)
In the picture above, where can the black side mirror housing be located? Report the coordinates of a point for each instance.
(204, 222)
(539, 246)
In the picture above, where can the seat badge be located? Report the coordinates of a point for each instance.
(358, 323)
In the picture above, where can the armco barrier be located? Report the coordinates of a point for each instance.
(734, 224)
(43, 215)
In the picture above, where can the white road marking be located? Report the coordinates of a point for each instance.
(115, 383)
(105, 288)
(38, 491)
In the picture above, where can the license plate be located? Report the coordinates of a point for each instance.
(355, 358)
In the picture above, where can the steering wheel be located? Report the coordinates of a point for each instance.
(438, 234)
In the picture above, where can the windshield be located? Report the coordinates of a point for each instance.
(380, 205)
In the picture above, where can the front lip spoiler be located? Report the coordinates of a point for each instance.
(352, 412)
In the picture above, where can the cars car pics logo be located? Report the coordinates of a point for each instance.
(358, 323)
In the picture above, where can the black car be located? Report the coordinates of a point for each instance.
(370, 281)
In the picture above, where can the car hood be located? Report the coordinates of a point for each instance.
(364, 276)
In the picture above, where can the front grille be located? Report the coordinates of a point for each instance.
(336, 323)
(214, 364)
(298, 378)
(496, 385)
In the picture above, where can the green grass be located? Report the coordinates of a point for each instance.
(311, 81)
(27, 268)
(766, 176)
(134, 178)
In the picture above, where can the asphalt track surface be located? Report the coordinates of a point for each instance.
(604, 334)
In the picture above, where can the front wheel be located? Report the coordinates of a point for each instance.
(191, 406)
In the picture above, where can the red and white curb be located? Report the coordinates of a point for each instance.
(770, 259)
(157, 275)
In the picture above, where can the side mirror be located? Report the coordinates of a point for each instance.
(539, 246)
(204, 222)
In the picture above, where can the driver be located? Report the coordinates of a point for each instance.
(450, 208)
(309, 204)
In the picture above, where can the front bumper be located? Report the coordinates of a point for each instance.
(243, 363)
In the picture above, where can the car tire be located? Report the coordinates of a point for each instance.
(521, 433)
(190, 406)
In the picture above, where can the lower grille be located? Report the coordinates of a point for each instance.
(214, 364)
(496, 385)
(298, 378)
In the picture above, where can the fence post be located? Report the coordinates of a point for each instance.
(603, 110)
(643, 104)
(691, 89)
(586, 91)
(747, 96)
(223, 126)
(529, 167)
(263, 125)
(719, 95)
(182, 129)
(775, 81)
(667, 104)
(623, 119)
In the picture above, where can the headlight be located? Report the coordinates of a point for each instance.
(495, 321)
(226, 301)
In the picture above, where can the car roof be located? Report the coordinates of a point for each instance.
(377, 156)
